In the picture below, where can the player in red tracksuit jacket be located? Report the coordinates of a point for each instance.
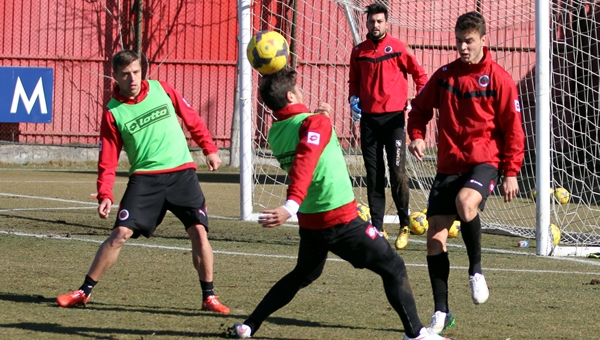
(480, 139)
(378, 94)
(142, 118)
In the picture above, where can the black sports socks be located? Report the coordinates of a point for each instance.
(471, 234)
(439, 270)
(207, 289)
(88, 285)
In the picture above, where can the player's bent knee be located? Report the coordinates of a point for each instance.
(119, 236)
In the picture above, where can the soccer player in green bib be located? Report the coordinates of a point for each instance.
(141, 118)
(320, 194)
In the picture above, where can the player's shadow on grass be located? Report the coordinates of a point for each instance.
(25, 298)
(305, 323)
(104, 333)
(55, 221)
(188, 312)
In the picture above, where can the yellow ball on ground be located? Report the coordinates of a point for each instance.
(454, 229)
(555, 233)
(562, 195)
(534, 193)
(418, 224)
(363, 211)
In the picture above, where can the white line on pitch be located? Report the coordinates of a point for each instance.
(145, 245)
(46, 209)
(46, 198)
(19, 181)
(492, 250)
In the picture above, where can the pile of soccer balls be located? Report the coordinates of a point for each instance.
(268, 52)
(561, 195)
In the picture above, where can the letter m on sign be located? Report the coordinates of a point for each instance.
(26, 94)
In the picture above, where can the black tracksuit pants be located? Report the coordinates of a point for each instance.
(379, 132)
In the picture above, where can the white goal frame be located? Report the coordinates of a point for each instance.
(544, 209)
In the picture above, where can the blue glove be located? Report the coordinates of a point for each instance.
(356, 111)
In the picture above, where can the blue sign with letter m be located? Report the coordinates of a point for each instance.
(26, 94)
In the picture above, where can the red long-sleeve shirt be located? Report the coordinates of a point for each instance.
(303, 168)
(111, 142)
(479, 117)
(378, 75)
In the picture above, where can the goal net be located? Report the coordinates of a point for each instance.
(321, 35)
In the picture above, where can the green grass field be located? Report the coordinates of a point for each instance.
(50, 231)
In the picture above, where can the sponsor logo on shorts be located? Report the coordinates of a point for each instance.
(313, 138)
(147, 119)
(202, 212)
(372, 232)
(492, 186)
(123, 214)
(475, 182)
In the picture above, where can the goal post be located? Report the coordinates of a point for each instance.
(550, 49)
(542, 136)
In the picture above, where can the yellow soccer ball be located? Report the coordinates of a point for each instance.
(555, 233)
(562, 195)
(418, 224)
(268, 52)
(454, 229)
(534, 193)
(363, 212)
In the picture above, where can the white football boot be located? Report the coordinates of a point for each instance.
(426, 333)
(479, 289)
(441, 321)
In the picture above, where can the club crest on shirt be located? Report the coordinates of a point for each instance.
(484, 80)
(388, 49)
(123, 214)
(313, 138)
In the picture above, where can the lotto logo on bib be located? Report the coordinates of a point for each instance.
(147, 119)
(123, 214)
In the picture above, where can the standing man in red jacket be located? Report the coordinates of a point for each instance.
(378, 95)
(480, 139)
(141, 118)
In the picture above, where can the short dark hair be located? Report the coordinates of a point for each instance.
(274, 88)
(376, 9)
(471, 21)
(123, 58)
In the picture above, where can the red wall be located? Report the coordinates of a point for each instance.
(191, 44)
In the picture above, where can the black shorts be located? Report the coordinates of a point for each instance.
(148, 197)
(357, 242)
(445, 188)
